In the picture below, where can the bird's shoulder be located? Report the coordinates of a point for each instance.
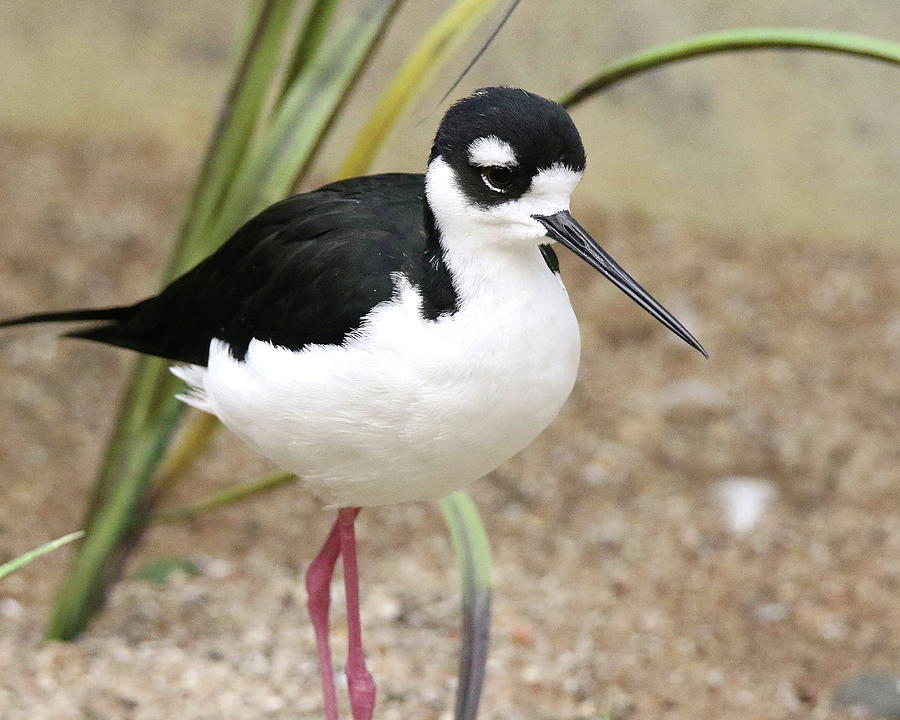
(346, 210)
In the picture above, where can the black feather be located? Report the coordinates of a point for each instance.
(550, 258)
(305, 271)
(111, 313)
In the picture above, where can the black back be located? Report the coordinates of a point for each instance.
(304, 271)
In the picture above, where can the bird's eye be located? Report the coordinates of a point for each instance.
(497, 178)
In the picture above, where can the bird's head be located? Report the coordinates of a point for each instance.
(500, 157)
(502, 169)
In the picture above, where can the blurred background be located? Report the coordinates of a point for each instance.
(791, 144)
(691, 539)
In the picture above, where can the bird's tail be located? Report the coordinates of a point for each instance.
(117, 328)
(111, 314)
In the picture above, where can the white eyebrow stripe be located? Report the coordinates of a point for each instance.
(557, 179)
(491, 151)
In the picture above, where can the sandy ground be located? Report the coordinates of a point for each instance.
(619, 585)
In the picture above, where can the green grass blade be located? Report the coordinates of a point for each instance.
(305, 115)
(240, 111)
(239, 119)
(149, 411)
(193, 439)
(315, 26)
(742, 39)
(114, 520)
(121, 502)
(229, 495)
(204, 195)
(23, 560)
(442, 39)
(473, 554)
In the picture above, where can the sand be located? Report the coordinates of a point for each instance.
(621, 587)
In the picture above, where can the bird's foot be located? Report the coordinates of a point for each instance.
(361, 689)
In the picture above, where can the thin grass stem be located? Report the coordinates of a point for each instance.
(738, 40)
(24, 559)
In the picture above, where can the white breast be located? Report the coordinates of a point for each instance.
(407, 408)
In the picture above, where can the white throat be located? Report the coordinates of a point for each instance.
(508, 223)
(482, 244)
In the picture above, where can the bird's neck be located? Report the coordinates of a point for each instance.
(440, 293)
(458, 261)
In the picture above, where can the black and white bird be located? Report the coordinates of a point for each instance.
(394, 337)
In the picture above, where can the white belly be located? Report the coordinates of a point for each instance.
(406, 409)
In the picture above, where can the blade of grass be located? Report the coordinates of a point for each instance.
(23, 560)
(240, 111)
(741, 39)
(457, 22)
(473, 554)
(305, 115)
(114, 522)
(121, 506)
(240, 117)
(203, 193)
(149, 412)
(315, 26)
(193, 440)
(230, 495)
(507, 14)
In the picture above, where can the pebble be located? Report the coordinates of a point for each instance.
(877, 694)
(770, 612)
(692, 394)
(11, 608)
(744, 500)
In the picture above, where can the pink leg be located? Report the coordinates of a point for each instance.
(318, 590)
(360, 684)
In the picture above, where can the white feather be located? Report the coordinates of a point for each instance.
(194, 376)
(491, 151)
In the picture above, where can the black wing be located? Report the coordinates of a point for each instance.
(306, 270)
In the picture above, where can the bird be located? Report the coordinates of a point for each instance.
(389, 338)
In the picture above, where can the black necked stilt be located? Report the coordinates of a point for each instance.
(389, 338)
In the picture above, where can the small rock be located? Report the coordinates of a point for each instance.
(744, 500)
(522, 635)
(770, 612)
(691, 394)
(877, 694)
(531, 674)
(215, 568)
(11, 608)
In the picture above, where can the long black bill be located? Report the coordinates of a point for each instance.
(563, 228)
